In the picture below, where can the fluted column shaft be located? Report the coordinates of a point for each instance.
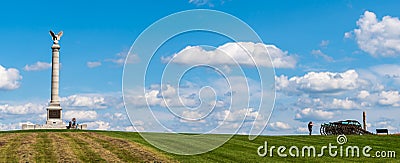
(55, 75)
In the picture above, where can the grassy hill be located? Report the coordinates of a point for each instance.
(103, 146)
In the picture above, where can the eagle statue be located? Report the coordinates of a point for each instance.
(56, 37)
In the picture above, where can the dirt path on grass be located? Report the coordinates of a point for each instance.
(9, 147)
(45, 151)
(96, 147)
(125, 150)
(63, 149)
(73, 147)
(4, 139)
(25, 151)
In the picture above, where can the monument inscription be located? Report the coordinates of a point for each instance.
(54, 114)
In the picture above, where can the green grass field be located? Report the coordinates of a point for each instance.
(106, 146)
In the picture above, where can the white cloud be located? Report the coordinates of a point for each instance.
(137, 126)
(98, 125)
(120, 116)
(10, 126)
(344, 104)
(199, 2)
(166, 96)
(378, 37)
(82, 100)
(233, 53)
(320, 82)
(93, 64)
(309, 114)
(363, 94)
(348, 34)
(116, 116)
(279, 126)
(130, 128)
(385, 123)
(237, 115)
(28, 108)
(335, 103)
(192, 116)
(9, 78)
(389, 98)
(121, 57)
(324, 43)
(80, 115)
(209, 3)
(38, 66)
(388, 72)
(319, 53)
(302, 130)
(281, 82)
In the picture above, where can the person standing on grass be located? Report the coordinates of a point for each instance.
(310, 124)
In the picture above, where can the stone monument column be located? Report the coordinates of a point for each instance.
(54, 110)
(55, 75)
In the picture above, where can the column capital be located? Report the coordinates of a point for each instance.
(55, 46)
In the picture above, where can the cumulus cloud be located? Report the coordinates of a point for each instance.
(348, 34)
(166, 96)
(93, 64)
(344, 104)
(85, 100)
(191, 116)
(324, 43)
(279, 126)
(121, 57)
(9, 78)
(199, 2)
(328, 102)
(389, 98)
(319, 53)
(131, 129)
(137, 126)
(80, 115)
(385, 123)
(387, 71)
(116, 116)
(209, 3)
(235, 53)
(11, 126)
(38, 66)
(320, 82)
(378, 37)
(301, 130)
(237, 115)
(28, 108)
(308, 114)
(363, 94)
(98, 125)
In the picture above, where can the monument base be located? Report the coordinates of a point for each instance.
(54, 120)
(26, 126)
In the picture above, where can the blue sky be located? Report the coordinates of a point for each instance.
(339, 58)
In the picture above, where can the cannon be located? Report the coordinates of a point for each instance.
(347, 127)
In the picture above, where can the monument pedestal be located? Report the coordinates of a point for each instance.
(54, 115)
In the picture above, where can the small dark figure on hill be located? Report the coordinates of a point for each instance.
(310, 125)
